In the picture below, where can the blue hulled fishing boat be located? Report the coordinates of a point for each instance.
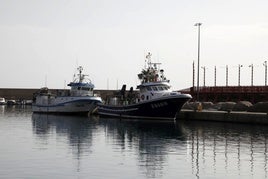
(153, 100)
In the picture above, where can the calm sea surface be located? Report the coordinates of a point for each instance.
(51, 146)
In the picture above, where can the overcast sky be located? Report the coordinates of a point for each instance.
(43, 41)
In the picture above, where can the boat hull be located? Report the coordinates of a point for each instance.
(74, 106)
(165, 108)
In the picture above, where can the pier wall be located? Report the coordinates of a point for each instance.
(27, 93)
(17, 93)
(224, 116)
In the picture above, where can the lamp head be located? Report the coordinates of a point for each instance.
(198, 24)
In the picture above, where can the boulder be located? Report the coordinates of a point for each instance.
(242, 106)
(259, 107)
(194, 105)
(207, 105)
(188, 105)
(224, 106)
(191, 105)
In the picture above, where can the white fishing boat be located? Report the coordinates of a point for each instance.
(80, 99)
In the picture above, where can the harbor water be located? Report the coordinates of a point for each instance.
(56, 146)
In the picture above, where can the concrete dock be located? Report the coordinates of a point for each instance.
(224, 116)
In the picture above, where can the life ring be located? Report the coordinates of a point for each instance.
(142, 97)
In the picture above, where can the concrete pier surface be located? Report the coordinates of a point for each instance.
(224, 116)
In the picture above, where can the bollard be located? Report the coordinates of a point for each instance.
(199, 107)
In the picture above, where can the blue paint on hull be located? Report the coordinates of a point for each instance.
(162, 108)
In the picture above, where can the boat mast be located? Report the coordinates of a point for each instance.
(80, 69)
(148, 57)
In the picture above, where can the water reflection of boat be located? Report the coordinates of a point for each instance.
(61, 123)
(154, 149)
(155, 99)
(75, 128)
(160, 148)
(79, 100)
(149, 141)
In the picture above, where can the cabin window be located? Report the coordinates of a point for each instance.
(164, 87)
(79, 88)
(149, 88)
(155, 88)
(147, 97)
(161, 88)
(85, 89)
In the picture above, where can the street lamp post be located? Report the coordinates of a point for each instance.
(239, 69)
(226, 75)
(265, 65)
(204, 73)
(251, 66)
(193, 74)
(215, 76)
(198, 58)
